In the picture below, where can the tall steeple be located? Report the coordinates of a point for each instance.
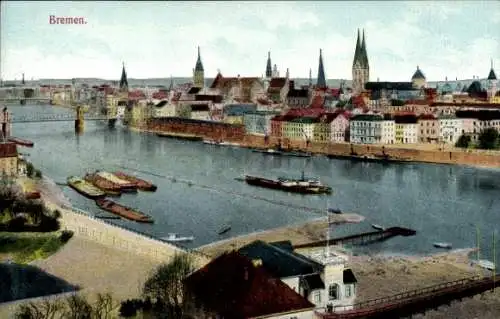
(199, 72)
(357, 51)
(310, 78)
(123, 80)
(364, 54)
(321, 82)
(22, 81)
(492, 76)
(360, 65)
(269, 70)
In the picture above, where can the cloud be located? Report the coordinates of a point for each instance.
(235, 37)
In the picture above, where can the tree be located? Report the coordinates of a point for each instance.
(165, 285)
(488, 139)
(463, 141)
(38, 173)
(30, 169)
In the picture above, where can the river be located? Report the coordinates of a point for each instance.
(443, 203)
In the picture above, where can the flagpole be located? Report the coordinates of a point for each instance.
(494, 262)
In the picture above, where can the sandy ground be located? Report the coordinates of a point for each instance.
(310, 231)
(383, 276)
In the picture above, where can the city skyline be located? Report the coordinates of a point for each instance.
(156, 40)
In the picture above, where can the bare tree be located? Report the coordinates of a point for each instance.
(77, 307)
(103, 306)
(46, 309)
(166, 284)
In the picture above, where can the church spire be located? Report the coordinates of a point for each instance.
(321, 82)
(358, 49)
(310, 77)
(123, 79)
(269, 70)
(364, 54)
(22, 81)
(492, 75)
(199, 65)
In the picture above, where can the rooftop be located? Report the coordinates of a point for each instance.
(233, 287)
(278, 261)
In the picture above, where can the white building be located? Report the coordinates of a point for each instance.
(366, 129)
(450, 129)
(321, 276)
(388, 131)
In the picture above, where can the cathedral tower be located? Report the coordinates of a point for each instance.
(123, 80)
(321, 81)
(360, 65)
(492, 82)
(269, 70)
(198, 72)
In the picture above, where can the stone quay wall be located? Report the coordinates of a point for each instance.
(452, 156)
(119, 237)
(236, 133)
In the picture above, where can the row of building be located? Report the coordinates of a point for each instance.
(371, 128)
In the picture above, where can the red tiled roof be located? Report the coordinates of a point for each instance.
(317, 102)
(427, 117)
(8, 150)
(277, 83)
(232, 287)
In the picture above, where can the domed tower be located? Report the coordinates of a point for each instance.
(492, 82)
(360, 65)
(418, 79)
(199, 73)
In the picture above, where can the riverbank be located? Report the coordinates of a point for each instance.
(387, 275)
(310, 231)
(423, 152)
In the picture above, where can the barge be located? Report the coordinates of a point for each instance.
(188, 137)
(123, 211)
(281, 152)
(85, 188)
(20, 141)
(303, 185)
(141, 184)
(105, 185)
(123, 185)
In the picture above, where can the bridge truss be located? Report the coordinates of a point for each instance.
(43, 117)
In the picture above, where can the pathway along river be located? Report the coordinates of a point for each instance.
(443, 203)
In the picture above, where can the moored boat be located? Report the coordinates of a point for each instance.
(176, 238)
(219, 143)
(123, 185)
(442, 245)
(85, 188)
(123, 211)
(378, 227)
(188, 137)
(20, 141)
(224, 229)
(270, 151)
(140, 183)
(303, 186)
(110, 188)
(334, 210)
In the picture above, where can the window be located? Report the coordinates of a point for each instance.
(333, 292)
(317, 297)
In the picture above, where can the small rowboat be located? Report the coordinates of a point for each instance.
(378, 227)
(443, 245)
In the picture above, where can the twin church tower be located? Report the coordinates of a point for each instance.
(360, 68)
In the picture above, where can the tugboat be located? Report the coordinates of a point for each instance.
(140, 183)
(302, 185)
(123, 211)
(85, 188)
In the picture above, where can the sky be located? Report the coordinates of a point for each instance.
(454, 39)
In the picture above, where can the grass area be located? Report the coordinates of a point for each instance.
(23, 248)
